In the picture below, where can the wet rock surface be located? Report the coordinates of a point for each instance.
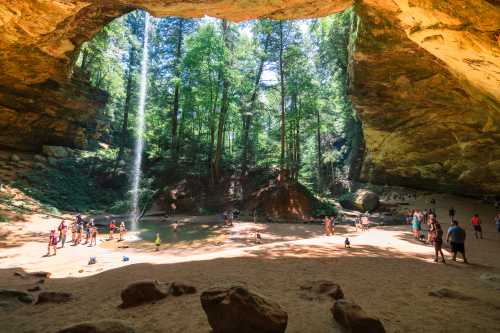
(237, 309)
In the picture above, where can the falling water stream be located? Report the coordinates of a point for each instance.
(139, 143)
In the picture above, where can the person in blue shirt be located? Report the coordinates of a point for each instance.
(456, 238)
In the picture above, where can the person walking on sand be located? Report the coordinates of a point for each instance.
(476, 224)
(456, 238)
(437, 241)
(52, 242)
(157, 242)
(73, 232)
(63, 229)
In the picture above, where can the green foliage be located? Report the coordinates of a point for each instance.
(72, 186)
(191, 60)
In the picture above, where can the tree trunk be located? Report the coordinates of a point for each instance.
(247, 116)
(175, 106)
(282, 104)
(126, 107)
(319, 153)
(224, 105)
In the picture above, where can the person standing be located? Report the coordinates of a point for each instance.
(112, 227)
(123, 231)
(456, 238)
(157, 241)
(63, 229)
(437, 241)
(328, 225)
(451, 213)
(476, 224)
(52, 242)
(497, 222)
(416, 226)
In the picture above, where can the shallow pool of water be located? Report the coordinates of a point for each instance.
(148, 228)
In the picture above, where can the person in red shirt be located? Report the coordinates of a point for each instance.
(112, 228)
(476, 224)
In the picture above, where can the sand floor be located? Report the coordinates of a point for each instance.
(386, 271)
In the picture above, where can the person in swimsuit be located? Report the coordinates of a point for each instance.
(123, 231)
(93, 235)
(437, 241)
(476, 224)
(52, 242)
(328, 226)
(112, 228)
(63, 229)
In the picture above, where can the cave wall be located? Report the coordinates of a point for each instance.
(425, 79)
(428, 121)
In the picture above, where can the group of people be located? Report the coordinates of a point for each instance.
(455, 235)
(82, 232)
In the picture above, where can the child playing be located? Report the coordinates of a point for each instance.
(158, 241)
(347, 243)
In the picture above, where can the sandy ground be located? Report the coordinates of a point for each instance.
(386, 271)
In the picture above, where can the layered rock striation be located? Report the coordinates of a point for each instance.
(425, 80)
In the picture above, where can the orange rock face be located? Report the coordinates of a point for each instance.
(425, 78)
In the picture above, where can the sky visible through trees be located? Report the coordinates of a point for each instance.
(225, 98)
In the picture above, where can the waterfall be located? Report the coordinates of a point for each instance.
(139, 143)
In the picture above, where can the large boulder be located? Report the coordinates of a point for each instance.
(365, 200)
(236, 309)
(140, 292)
(103, 326)
(53, 297)
(353, 319)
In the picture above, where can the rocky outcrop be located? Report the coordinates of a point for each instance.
(238, 310)
(425, 80)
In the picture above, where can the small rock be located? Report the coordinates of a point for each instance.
(12, 293)
(448, 293)
(35, 288)
(179, 289)
(25, 275)
(103, 326)
(56, 151)
(15, 158)
(52, 161)
(353, 319)
(139, 292)
(238, 310)
(53, 297)
(22, 296)
(491, 279)
(321, 290)
(40, 158)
